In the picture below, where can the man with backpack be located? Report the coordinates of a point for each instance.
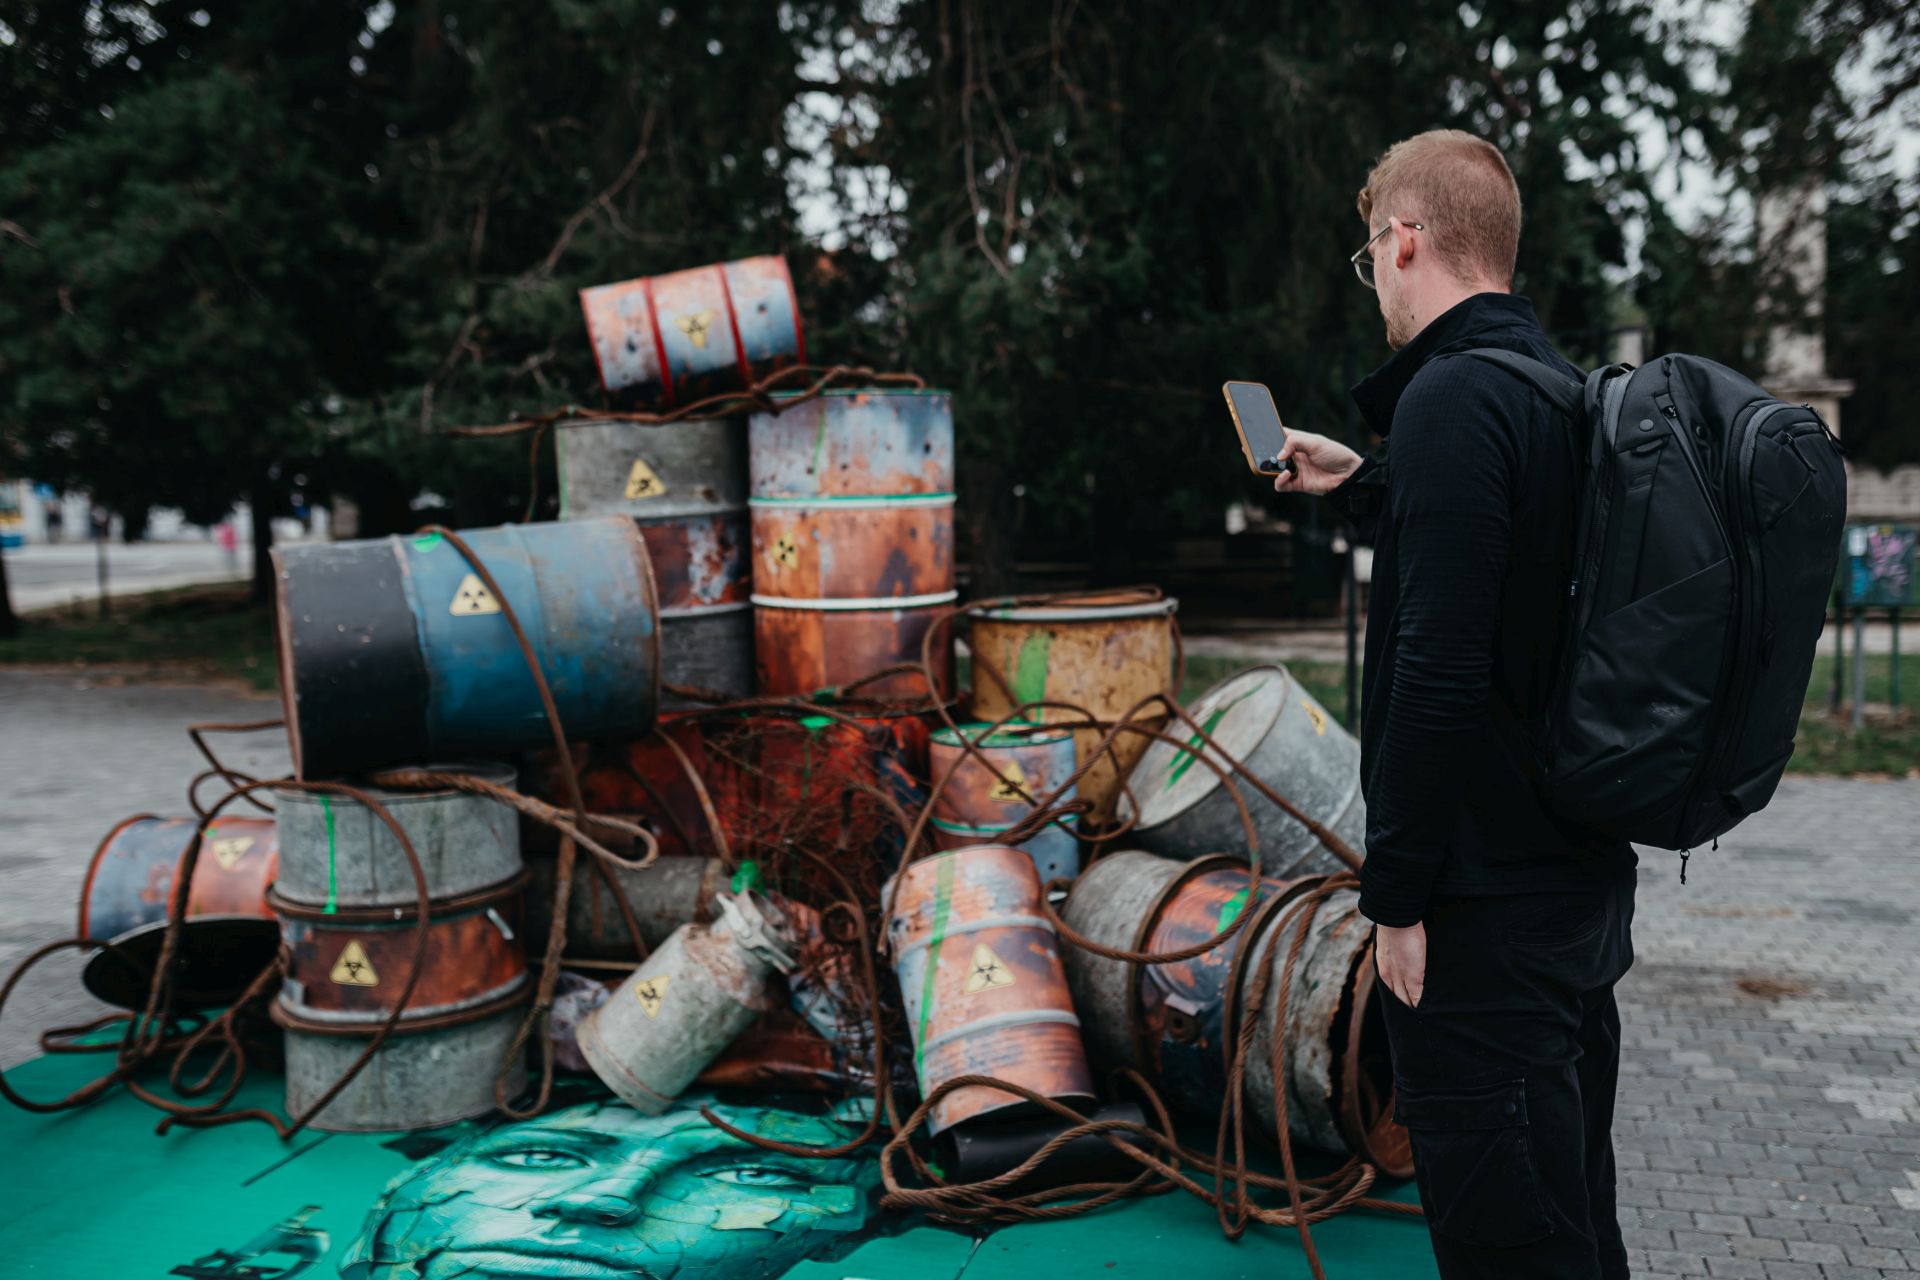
(1551, 659)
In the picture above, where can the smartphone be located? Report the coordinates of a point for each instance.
(1258, 422)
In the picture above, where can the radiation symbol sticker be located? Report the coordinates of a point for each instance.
(228, 850)
(1318, 717)
(1013, 781)
(353, 969)
(696, 326)
(643, 481)
(786, 552)
(472, 598)
(651, 992)
(987, 972)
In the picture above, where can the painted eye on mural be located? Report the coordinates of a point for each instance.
(538, 1158)
(757, 1176)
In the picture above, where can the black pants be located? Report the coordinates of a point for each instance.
(1504, 1077)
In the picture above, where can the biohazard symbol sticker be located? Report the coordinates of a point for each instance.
(472, 598)
(1013, 781)
(643, 481)
(651, 993)
(1318, 717)
(228, 850)
(786, 552)
(353, 969)
(696, 326)
(987, 973)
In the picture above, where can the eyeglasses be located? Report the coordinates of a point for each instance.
(1362, 258)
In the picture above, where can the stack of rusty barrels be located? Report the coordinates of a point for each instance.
(991, 778)
(852, 511)
(352, 926)
(1178, 1024)
(663, 342)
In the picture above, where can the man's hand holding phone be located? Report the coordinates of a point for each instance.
(1320, 465)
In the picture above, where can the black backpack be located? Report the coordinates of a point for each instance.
(1708, 527)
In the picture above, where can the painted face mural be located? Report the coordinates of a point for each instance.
(600, 1192)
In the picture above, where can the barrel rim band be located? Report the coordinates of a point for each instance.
(1019, 1018)
(505, 1001)
(851, 502)
(854, 604)
(974, 926)
(497, 772)
(985, 734)
(1070, 823)
(862, 391)
(400, 913)
(1089, 613)
(706, 610)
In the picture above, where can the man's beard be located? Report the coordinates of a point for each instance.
(1400, 326)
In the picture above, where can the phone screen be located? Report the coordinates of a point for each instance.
(1261, 435)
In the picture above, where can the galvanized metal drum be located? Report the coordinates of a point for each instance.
(348, 966)
(336, 850)
(666, 894)
(1266, 720)
(1055, 848)
(394, 651)
(685, 1003)
(852, 506)
(1103, 652)
(981, 976)
(686, 483)
(130, 881)
(423, 1077)
(1339, 1080)
(1022, 764)
(666, 340)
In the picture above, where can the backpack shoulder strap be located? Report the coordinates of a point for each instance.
(1563, 389)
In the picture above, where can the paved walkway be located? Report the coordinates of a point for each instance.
(1769, 1115)
(44, 576)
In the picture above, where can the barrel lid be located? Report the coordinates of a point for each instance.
(218, 957)
(1238, 714)
(989, 835)
(1015, 733)
(499, 774)
(1089, 607)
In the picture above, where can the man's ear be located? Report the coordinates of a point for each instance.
(1402, 243)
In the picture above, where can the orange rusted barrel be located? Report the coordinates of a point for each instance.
(666, 340)
(984, 988)
(852, 515)
(1022, 763)
(1101, 651)
(130, 881)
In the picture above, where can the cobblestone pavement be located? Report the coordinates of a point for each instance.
(77, 754)
(1769, 1113)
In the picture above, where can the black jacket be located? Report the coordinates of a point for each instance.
(1472, 522)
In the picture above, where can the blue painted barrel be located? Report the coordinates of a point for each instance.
(393, 651)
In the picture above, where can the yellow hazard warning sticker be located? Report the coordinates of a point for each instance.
(1012, 783)
(472, 598)
(228, 850)
(786, 552)
(353, 969)
(643, 481)
(1318, 717)
(987, 972)
(651, 992)
(696, 325)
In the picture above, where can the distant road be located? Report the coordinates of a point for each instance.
(43, 576)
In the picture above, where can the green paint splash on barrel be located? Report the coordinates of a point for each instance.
(942, 901)
(1030, 667)
(1184, 761)
(428, 541)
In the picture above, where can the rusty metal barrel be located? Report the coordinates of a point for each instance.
(393, 651)
(130, 880)
(336, 850)
(686, 1003)
(981, 976)
(346, 970)
(1022, 763)
(852, 514)
(1103, 651)
(663, 341)
(1179, 1023)
(1263, 718)
(666, 894)
(686, 485)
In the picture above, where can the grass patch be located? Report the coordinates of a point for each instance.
(199, 632)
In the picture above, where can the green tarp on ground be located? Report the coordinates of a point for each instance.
(594, 1192)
